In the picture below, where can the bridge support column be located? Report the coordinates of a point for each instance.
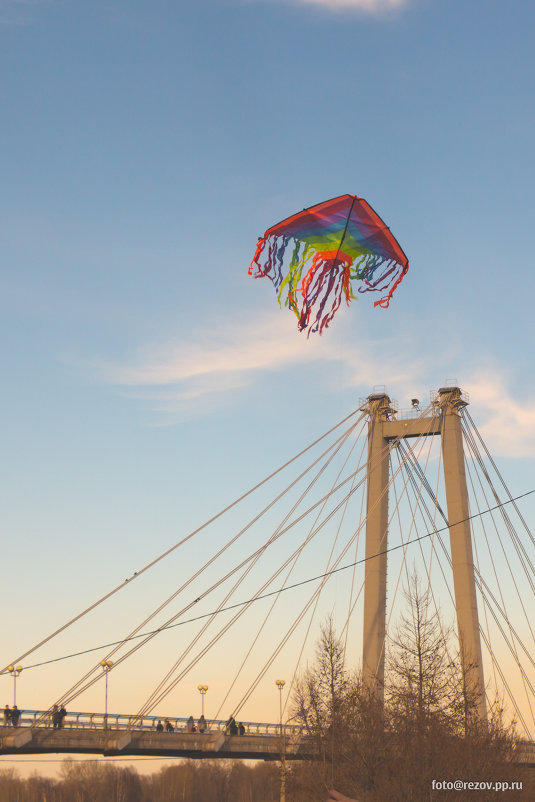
(373, 653)
(451, 401)
(383, 427)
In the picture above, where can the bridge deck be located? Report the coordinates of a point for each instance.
(94, 733)
(214, 744)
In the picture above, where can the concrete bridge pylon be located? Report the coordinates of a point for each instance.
(383, 428)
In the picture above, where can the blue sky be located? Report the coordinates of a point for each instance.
(147, 379)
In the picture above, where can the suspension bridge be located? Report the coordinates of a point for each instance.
(382, 489)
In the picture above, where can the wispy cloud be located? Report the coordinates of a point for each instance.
(188, 377)
(368, 6)
(508, 424)
(223, 349)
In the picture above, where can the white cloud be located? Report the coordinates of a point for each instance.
(189, 377)
(508, 426)
(235, 349)
(369, 6)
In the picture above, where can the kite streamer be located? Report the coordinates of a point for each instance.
(337, 247)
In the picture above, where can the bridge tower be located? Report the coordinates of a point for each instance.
(383, 428)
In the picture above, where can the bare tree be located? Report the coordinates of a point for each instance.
(425, 732)
(422, 670)
(320, 691)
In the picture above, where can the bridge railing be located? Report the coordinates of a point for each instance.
(120, 721)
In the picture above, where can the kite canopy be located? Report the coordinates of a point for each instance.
(338, 246)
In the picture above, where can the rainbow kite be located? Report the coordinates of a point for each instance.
(338, 246)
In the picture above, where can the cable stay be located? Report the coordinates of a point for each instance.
(498, 474)
(487, 595)
(177, 545)
(483, 588)
(318, 518)
(94, 673)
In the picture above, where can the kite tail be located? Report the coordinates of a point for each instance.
(272, 263)
(255, 268)
(290, 285)
(323, 287)
(383, 302)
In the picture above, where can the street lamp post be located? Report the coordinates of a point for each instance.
(280, 685)
(202, 690)
(106, 666)
(14, 671)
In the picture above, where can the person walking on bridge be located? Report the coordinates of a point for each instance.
(231, 728)
(190, 724)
